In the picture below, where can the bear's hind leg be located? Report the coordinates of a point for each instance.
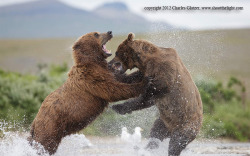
(158, 133)
(178, 142)
(51, 144)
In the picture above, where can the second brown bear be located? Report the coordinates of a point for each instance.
(174, 92)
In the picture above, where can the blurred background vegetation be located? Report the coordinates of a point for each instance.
(226, 112)
(217, 60)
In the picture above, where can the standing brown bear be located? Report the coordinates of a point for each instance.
(173, 92)
(84, 95)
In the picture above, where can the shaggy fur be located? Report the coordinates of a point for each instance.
(84, 95)
(174, 92)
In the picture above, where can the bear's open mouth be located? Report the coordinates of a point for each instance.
(108, 52)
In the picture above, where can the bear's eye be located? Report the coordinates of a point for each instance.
(96, 35)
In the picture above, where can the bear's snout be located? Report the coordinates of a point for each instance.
(109, 32)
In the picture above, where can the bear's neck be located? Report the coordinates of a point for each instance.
(80, 59)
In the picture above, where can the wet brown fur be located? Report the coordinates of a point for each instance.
(84, 95)
(175, 93)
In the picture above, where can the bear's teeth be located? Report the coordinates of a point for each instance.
(106, 50)
(104, 47)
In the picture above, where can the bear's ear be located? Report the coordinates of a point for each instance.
(131, 36)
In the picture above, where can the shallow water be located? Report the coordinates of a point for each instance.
(15, 144)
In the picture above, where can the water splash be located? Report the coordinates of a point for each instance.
(73, 144)
(13, 144)
(16, 144)
(201, 51)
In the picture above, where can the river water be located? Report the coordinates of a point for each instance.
(15, 144)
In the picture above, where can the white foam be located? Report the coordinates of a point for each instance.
(73, 144)
(14, 144)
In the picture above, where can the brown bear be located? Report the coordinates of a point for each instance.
(84, 95)
(173, 92)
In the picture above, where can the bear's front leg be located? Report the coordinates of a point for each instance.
(145, 100)
(134, 77)
(133, 105)
(121, 109)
